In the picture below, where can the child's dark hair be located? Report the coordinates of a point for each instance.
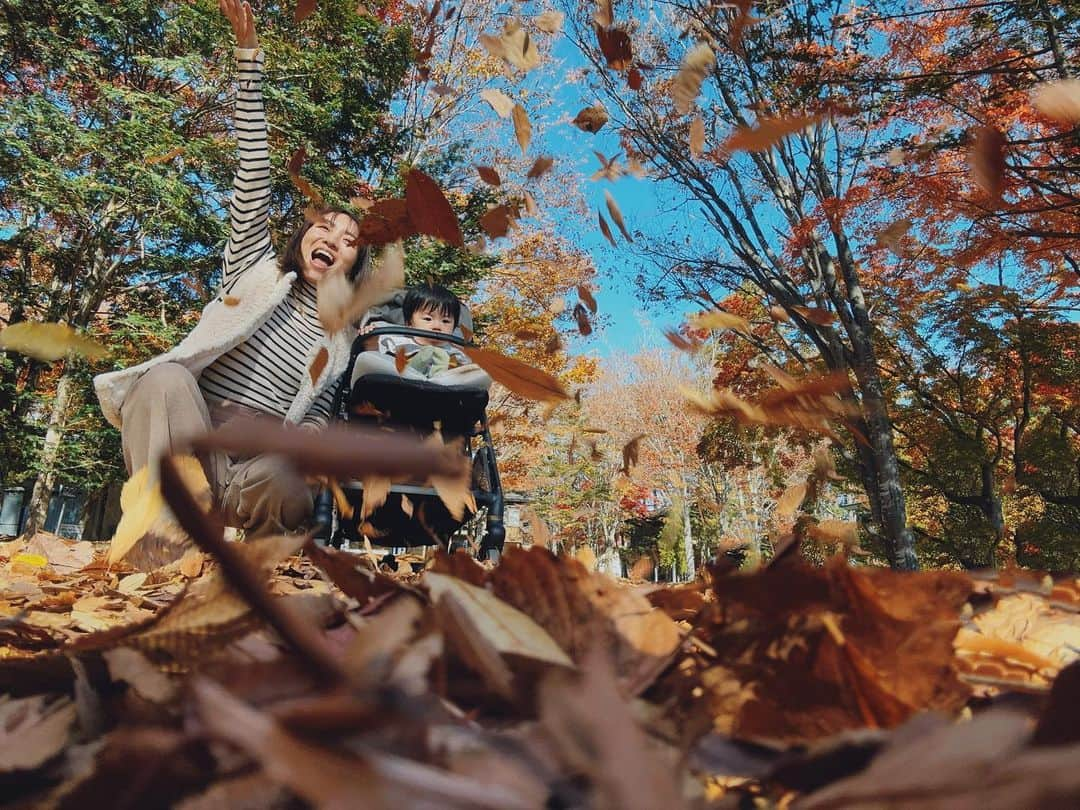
(431, 297)
(291, 261)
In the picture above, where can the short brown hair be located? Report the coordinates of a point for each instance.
(290, 259)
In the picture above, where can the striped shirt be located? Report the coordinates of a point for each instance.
(266, 370)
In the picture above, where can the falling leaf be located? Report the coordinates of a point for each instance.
(695, 67)
(587, 297)
(697, 136)
(522, 128)
(496, 222)
(304, 9)
(779, 314)
(531, 207)
(630, 453)
(318, 364)
(718, 319)
(429, 209)
(443, 90)
(400, 361)
(376, 488)
(890, 236)
(605, 229)
(816, 315)
(681, 343)
(386, 221)
(520, 378)
(49, 341)
(540, 167)
(1058, 100)
(176, 151)
(767, 133)
(591, 119)
(582, 318)
(518, 48)
(791, 500)
(550, 22)
(501, 103)
(987, 161)
(489, 175)
(616, 215)
(296, 162)
(605, 15)
(616, 47)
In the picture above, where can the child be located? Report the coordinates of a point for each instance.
(432, 308)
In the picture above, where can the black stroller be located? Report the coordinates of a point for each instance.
(413, 515)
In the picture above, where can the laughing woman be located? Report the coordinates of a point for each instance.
(253, 345)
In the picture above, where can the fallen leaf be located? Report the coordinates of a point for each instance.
(767, 133)
(522, 127)
(230, 300)
(531, 208)
(540, 167)
(134, 669)
(33, 730)
(605, 14)
(49, 341)
(591, 119)
(520, 378)
(1059, 100)
(779, 314)
(429, 209)
(502, 104)
(696, 65)
(890, 236)
(816, 315)
(616, 215)
(386, 221)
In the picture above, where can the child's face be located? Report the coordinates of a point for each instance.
(433, 321)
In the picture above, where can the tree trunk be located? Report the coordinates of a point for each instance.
(688, 538)
(50, 451)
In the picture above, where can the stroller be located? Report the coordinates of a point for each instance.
(372, 391)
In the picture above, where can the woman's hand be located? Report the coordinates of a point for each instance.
(242, 20)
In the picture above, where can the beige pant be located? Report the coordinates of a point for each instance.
(160, 414)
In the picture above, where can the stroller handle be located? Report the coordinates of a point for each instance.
(409, 331)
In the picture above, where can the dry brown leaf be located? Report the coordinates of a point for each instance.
(49, 341)
(605, 229)
(890, 236)
(520, 378)
(304, 8)
(540, 167)
(230, 300)
(616, 47)
(695, 67)
(489, 175)
(550, 22)
(791, 500)
(429, 209)
(33, 730)
(400, 359)
(318, 365)
(816, 315)
(779, 314)
(296, 163)
(616, 215)
(582, 318)
(176, 151)
(697, 136)
(517, 47)
(585, 294)
(767, 133)
(1058, 100)
(682, 343)
(496, 222)
(630, 453)
(531, 208)
(522, 127)
(386, 221)
(718, 319)
(987, 161)
(376, 489)
(134, 669)
(591, 119)
(341, 303)
(501, 103)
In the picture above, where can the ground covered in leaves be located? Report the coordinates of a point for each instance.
(275, 672)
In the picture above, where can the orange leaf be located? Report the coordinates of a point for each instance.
(176, 151)
(1059, 100)
(429, 210)
(616, 47)
(605, 14)
(987, 161)
(718, 319)
(822, 317)
(520, 378)
(697, 136)
(230, 300)
(616, 215)
(400, 361)
(301, 183)
(791, 500)
(779, 314)
(318, 364)
(386, 221)
(522, 127)
(489, 175)
(767, 133)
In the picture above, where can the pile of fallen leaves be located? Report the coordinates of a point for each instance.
(256, 674)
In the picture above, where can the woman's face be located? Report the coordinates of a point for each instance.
(329, 244)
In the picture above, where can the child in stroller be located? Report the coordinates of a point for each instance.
(435, 390)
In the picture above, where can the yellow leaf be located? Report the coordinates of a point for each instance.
(33, 560)
(506, 628)
(522, 128)
(550, 22)
(49, 341)
(718, 319)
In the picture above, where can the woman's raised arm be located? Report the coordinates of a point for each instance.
(249, 208)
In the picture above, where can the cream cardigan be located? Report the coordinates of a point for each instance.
(227, 321)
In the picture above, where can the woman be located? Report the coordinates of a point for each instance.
(255, 346)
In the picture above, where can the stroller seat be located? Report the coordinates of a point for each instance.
(418, 403)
